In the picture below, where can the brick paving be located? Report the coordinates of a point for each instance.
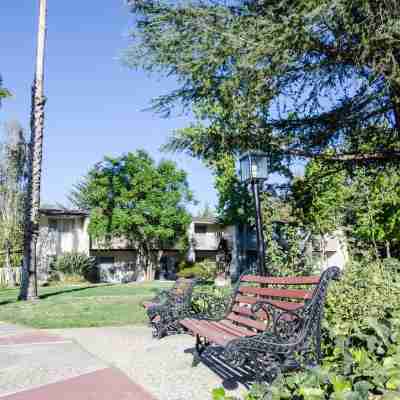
(35, 365)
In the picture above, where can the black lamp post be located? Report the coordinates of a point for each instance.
(253, 171)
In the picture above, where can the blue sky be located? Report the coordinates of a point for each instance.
(94, 103)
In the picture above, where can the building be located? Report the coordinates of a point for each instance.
(233, 248)
(63, 231)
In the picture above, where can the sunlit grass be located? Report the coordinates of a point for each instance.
(83, 305)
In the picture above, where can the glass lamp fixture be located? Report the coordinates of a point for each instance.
(253, 166)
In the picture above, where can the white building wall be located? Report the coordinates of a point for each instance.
(208, 240)
(59, 234)
(336, 250)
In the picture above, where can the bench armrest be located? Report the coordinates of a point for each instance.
(284, 325)
(161, 296)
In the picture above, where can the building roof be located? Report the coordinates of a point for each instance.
(63, 212)
(205, 220)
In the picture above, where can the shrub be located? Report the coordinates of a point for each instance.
(365, 290)
(77, 264)
(193, 272)
(206, 270)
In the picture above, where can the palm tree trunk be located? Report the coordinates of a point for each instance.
(32, 207)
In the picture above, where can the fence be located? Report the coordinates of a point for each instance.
(10, 276)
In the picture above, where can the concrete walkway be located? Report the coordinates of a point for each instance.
(38, 365)
(163, 366)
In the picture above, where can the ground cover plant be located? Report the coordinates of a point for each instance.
(83, 305)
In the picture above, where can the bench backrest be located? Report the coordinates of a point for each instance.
(288, 293)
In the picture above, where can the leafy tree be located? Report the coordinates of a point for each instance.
(206, 212)
(79, 194)
(132, 198)
(374, 208)
(13, 170)
(304, 78)
(320, 198)
(3, 91)
(366, 201)
(235, 205)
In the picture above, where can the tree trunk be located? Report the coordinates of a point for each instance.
(32, 207)
(388, 254)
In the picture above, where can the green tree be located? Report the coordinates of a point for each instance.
(13, 169)
(320, 198)
(235, 205)
(365, 201)
(132, 198)
(374, 208)
(293, 78)
(79, 194)
(206, 212)
(3, 91)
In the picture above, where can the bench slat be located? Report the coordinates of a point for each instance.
(286, 305)
(235, 329)
(282, 280)
(251, 323)
(269, 292)
(212, 331)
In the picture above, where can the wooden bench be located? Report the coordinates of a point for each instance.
(168, 307)
(271, 324)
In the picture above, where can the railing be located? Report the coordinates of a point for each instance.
(10, 276)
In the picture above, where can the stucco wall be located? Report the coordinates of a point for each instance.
(123, 267)
(64, 234)
(205, 241)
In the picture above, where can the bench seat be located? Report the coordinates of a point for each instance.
(219, 332)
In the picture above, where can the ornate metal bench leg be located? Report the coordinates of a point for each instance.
(198, 351)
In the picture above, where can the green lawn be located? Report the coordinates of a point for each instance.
(81, 305)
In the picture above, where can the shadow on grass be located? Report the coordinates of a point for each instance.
(150, 292)
(46, 295)
(64, 291)
(5, 302)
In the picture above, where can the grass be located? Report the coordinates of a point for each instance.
(83, 305)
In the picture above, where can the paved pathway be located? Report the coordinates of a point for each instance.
(163, 366)
(39, 365)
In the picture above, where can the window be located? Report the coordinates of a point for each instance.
(53, 225)
(200, 229)
(105, 260)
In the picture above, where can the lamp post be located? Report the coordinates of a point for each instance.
(253, 171)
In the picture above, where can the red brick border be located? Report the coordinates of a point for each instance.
(104, 384)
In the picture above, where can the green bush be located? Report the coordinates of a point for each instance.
(193, 272)
(206, 270)
(365, 290)
(74, 263)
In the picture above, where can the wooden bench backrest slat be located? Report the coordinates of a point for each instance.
(286, 305)
(246, 311)
(281, 280)
(250, 323)
(272, 292)
(254, 288)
